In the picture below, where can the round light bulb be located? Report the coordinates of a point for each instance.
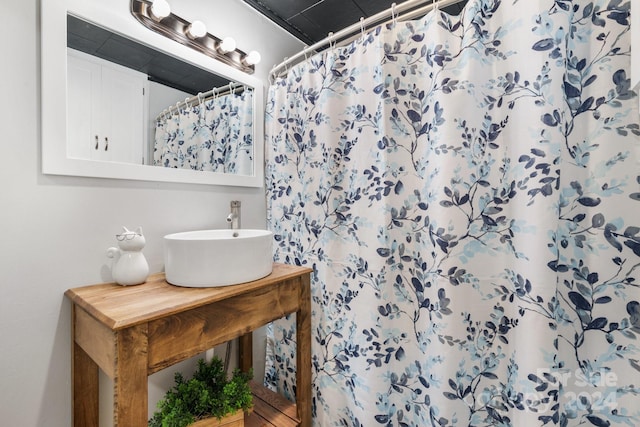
(196, 29)
(253, 58)
(160, 9)
(228, 44)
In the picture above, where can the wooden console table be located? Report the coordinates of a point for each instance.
(131, 332)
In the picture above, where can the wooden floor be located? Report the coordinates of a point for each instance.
(270, 409)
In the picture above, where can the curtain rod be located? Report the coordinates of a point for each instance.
(412, 6)
(217, 91)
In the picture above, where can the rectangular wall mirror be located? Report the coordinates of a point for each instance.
(120, 101)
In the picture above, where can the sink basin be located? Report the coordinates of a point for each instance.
(210, 258)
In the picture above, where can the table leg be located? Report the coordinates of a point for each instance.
(303, 354)
(245, 352)
(85, 389)
(130, 398)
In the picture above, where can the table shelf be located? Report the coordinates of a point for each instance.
(270, 409)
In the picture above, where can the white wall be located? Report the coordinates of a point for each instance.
(55, 229)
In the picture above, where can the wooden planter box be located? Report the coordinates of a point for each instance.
(233, 420)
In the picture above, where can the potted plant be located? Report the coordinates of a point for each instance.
(207, 399)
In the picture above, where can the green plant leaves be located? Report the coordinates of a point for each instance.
(208, 394)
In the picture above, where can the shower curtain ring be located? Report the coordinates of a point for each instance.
(362, 27)
(200, 102)
(394, 16)
(436, 5)
(304, 50)
(272, 76)
(332, 43)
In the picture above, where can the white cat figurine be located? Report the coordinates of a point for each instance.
(129, 264)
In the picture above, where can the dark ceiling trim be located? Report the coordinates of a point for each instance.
(273, 16)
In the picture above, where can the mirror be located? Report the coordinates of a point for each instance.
(64, 102)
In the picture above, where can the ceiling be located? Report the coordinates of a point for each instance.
(311, 20)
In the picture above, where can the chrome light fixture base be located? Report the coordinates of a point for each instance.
(177, 29)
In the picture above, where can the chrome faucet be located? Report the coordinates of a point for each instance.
(234, 217)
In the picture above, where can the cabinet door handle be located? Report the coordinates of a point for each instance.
(106, 143)
(97, 143)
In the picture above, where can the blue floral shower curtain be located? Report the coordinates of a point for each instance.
(467, 190)
(215, 135)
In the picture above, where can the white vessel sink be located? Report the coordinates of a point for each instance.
(209, 258)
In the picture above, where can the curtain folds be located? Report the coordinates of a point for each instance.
(215, 135)
(467, 191)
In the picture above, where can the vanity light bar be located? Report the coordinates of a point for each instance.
(184, 32)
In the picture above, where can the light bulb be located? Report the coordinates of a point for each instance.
(253, 58)
(228, 44)
(196, 29)
(160, 9)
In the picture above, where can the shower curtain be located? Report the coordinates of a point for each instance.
(467, 191)
(215, 135)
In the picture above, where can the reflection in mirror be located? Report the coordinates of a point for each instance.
(114, 159)
(209, 132)
(129, 103)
